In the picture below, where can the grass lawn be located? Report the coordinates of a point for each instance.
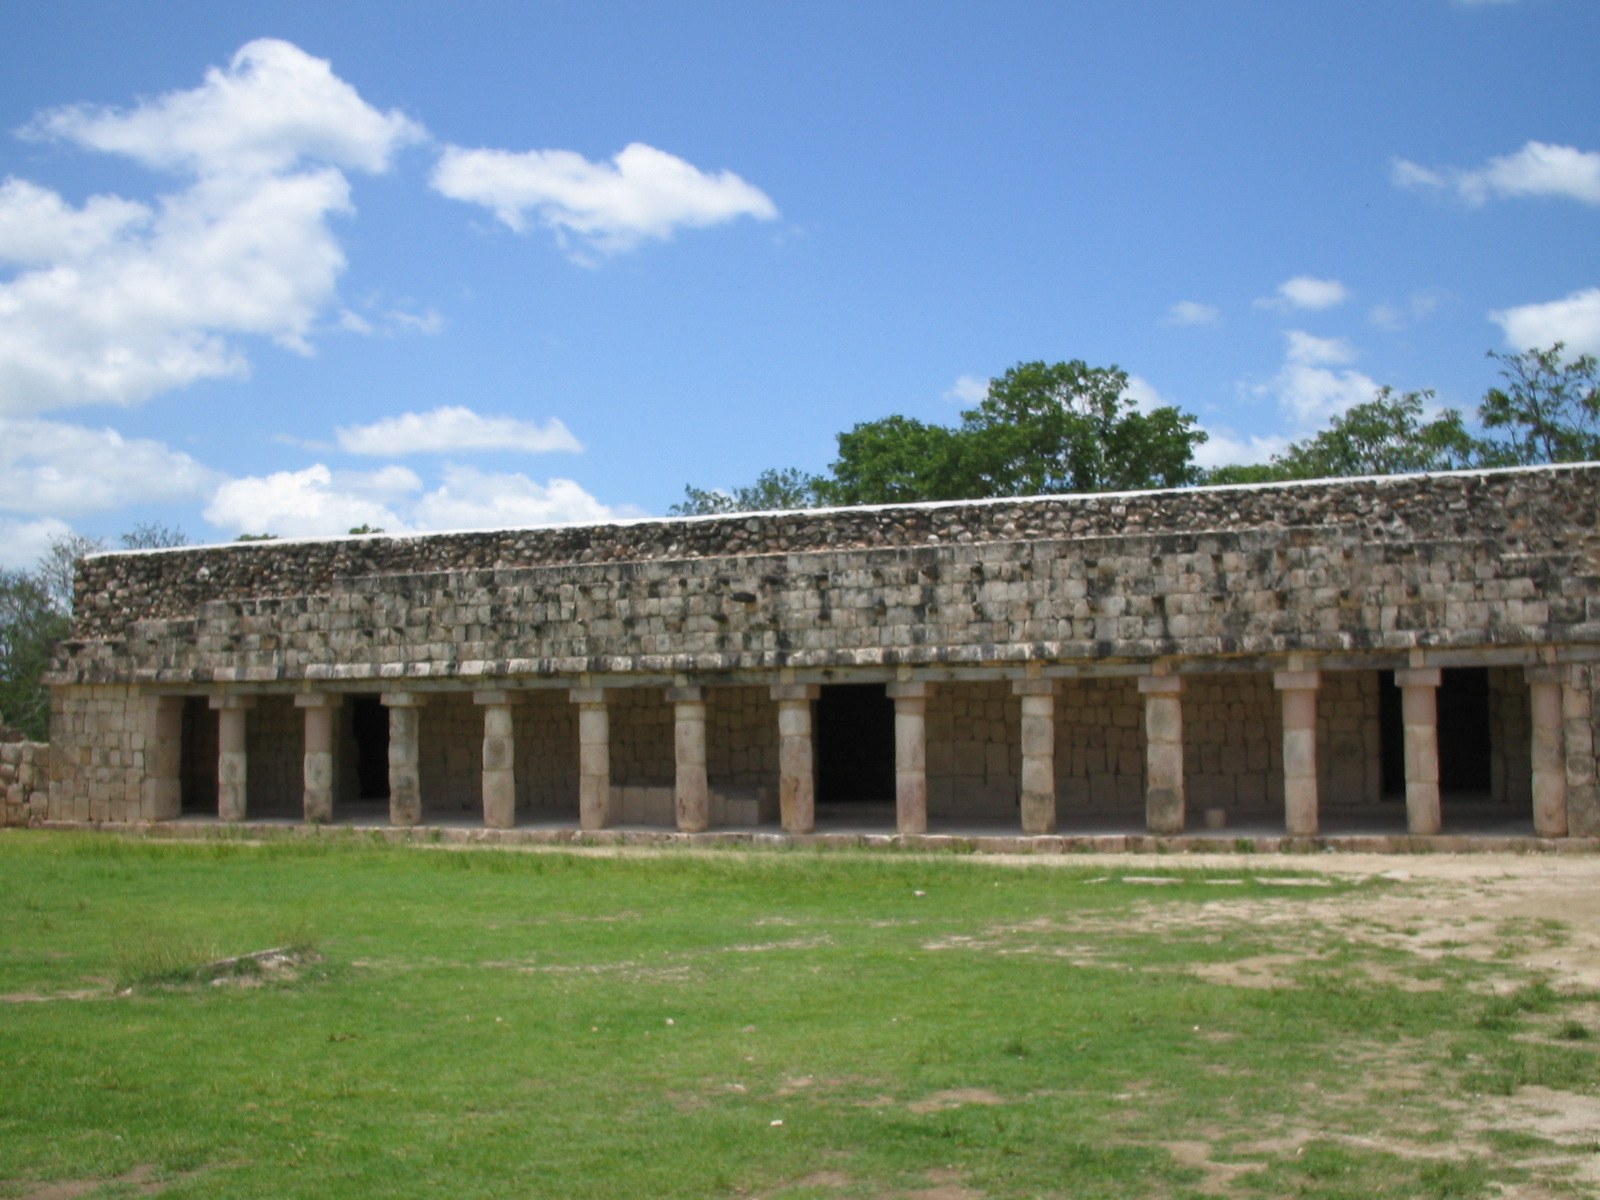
(501, 1023)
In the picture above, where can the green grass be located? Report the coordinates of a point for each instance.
(781, 1024)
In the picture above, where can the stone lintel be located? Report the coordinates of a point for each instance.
(685, 695)
(1417, 677)
(587, 695)
(1033, 687)
(1547, 674)
(233, 701)
(909, 690)
(403, 699)
(497, 696)
(318, 699)
(1169, 685)
(1297, 681)
(796, 691)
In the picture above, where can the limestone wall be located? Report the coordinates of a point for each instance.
(741, 738)
(1463, 560)
(546, 728)
(24, 782)
(1099, 747)
(96, 753)
(450, 755)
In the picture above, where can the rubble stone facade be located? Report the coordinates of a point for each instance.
(1160, 660)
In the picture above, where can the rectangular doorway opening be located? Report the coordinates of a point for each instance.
(1465, 734)
(369, 726)
(855, 745)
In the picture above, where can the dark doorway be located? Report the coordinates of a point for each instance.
(369, 725)
(1464, 732)
(855, 744)
(197, 772)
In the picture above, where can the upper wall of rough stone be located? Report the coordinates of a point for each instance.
(1465, 559)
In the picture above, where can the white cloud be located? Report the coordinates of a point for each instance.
(1574, 320)
(968, 389)
(453, 428)
(118, 299)
(1395, 317)
(609, 207)
(1192, 312)
(1306, 292)
(61, 469)
(1224, 449)
(1143, 394)
(320, 502)
(273, 108)
(472, 499)
(24, 543)
(312, 502)
(1309, 389)
(1538, 169)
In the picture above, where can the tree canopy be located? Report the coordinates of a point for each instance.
(1046, 428)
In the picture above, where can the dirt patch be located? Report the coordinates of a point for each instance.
(140, 1181)
(954, 1098)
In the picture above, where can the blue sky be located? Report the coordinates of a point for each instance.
(296, 267)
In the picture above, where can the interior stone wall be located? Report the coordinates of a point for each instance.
(1349, 739)
(24, 782)
(642, 753)
(1233, 744)
(275, 745)
(974, 734)
(450, 754)
(1100, 748)
(1510, 737)
(741, 738)
(545, 725)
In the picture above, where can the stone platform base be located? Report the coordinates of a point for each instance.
(1199, 843)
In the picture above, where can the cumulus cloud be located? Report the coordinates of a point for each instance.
(454, 428)
(1192, 312)
(608, 207)
(472, 499)
(968, 389)
(117, 300)
(1223, 448)
(321, 502)
(61, 469)
(24, 543)
(312, 502)
(1574, 320)
(1305, 292)
(1538, 169)
(1311, 388)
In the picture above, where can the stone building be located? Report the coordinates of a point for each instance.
(1415, 650)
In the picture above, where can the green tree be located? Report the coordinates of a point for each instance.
(1384, 436)
(774, 490)
(1549, 408)
(1069, 427)
(31, 623)
(896, 460)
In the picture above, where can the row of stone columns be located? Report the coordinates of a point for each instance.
(1165, 802)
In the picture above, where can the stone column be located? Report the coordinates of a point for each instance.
(499, 757)
(1038, 754)
(321, 768)
(233, 763)
(1419, 711)
(405, 773)
(910, 755)
(1301, 802)
(1163, 729)
(594, 757)
(162, 794)
(797, 765)
(1549, 751)
(691, 796)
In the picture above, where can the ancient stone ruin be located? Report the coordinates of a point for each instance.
(1412, 652)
